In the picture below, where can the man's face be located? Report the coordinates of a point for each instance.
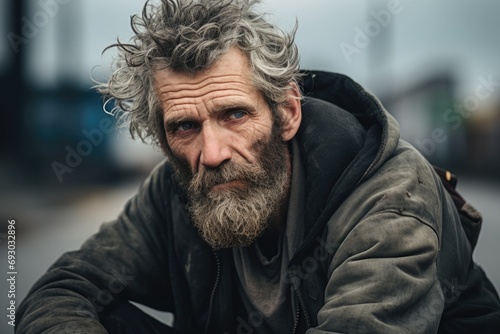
(225, 149)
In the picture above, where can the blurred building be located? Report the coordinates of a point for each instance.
(461, 133)
(53, 119)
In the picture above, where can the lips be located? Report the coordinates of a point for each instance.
(236, 183)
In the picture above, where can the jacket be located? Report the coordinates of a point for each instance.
(383, 252)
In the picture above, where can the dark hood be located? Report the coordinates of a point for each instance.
(344, 136)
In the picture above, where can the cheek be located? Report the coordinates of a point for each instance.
(260, 132)
(256, 127)
(183, 153)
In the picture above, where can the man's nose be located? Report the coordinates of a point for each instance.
(215, 148)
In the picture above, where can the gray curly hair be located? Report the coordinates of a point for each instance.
(189, 36)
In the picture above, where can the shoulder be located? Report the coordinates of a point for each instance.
(161, 179)
(159, 193)
(408, 185)
(405, 185)
(161, 172)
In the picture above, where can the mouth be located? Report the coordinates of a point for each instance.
(237, 183)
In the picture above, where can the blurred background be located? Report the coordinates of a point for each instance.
(64, 169)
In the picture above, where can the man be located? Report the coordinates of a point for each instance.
(275, 212)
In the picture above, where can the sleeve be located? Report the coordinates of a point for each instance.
(383, 279)
(126, 259)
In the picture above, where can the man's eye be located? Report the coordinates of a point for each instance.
(185, 126)
(237, 114)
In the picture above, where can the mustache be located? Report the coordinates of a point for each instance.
(229, 171)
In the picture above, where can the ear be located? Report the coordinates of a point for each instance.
(292, 112)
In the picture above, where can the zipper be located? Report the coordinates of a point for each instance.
(306, 315)
(212, 296)
(297, 317)
(299, 304)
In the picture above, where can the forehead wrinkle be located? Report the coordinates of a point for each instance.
(215, 79)
(194, 91)
(233, 95)
(203, 92)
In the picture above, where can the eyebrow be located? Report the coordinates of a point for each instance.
(173, 121)
(235, 106)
